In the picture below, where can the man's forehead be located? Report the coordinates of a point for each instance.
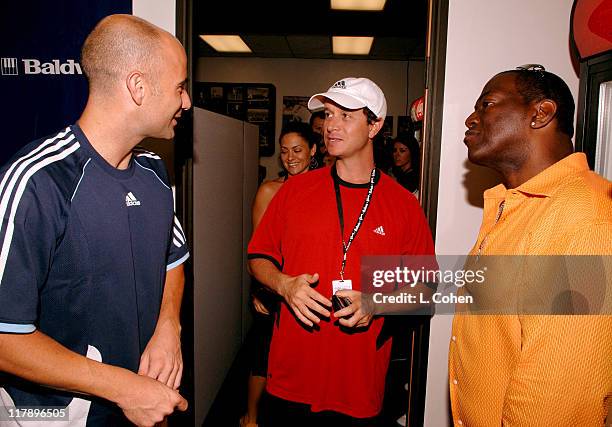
(504, 83)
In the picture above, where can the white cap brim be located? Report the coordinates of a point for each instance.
(347, 101)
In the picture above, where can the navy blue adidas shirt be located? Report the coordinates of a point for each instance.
(83, 258)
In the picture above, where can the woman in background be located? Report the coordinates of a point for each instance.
(297, 148)
(407, 162)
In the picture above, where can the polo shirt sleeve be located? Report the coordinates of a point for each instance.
(31, 228)
(178, 251)
(418, 244)
(266, 240)
(418, 240)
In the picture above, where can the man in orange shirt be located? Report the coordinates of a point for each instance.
(531, 369)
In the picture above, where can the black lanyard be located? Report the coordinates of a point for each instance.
(360, 219)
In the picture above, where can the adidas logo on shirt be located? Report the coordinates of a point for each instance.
(379, 230)
(131, 200)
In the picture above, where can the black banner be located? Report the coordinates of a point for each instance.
(41, 82)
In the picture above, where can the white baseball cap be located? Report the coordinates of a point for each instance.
(353, 93)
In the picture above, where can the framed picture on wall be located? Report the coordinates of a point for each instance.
(252, 102)
(295, 109)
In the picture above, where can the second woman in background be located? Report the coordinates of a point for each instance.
(407, 162)
(297, 148)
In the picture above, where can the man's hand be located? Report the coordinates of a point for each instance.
(162, 359)
(303, 299)
(147, 401)
(36, 357)
(358, 314)
(259, 306)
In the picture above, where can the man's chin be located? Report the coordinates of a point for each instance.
(334, 153)
(168, 134)
(474, 157)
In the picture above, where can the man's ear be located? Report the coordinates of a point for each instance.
(545, 112)
(375, 128)
(135, 84)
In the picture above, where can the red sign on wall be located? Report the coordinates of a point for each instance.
(592, 26)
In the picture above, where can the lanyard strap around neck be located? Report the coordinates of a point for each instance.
(364, 210)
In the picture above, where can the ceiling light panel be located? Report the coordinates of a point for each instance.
(352, 45)
(226, 43)
(369, 5)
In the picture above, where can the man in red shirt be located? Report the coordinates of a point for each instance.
(324, 368)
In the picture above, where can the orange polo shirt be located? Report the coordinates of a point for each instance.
(538, 370)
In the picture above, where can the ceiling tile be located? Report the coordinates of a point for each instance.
(270, 45)
(309, 45)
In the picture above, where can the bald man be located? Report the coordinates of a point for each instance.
(91, 274)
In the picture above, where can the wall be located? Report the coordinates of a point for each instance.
(304, 77)
(484, 37)
(159, 12)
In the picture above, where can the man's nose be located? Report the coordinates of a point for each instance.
(330, 124)
(471, 120)
(186, 101)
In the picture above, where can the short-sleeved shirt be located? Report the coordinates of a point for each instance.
(528, 370)
(327, 367)
(85, 250)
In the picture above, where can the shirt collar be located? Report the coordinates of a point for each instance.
(544, 183)
(336, 178)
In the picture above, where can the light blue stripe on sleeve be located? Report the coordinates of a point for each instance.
(15, 328)
(175, 263)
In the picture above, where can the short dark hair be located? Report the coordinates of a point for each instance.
(372, 118)
(302, 129)
(316, 115)
(535, 86)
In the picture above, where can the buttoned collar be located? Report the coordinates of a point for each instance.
(544, 183)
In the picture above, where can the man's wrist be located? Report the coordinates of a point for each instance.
(368, 306)
(283, 286)
(108, 382)
(171, 322)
